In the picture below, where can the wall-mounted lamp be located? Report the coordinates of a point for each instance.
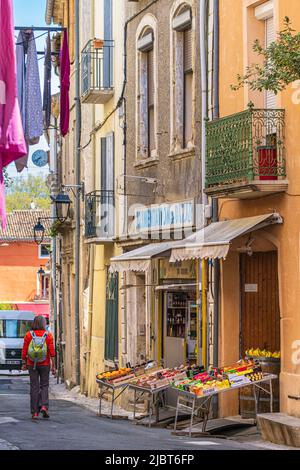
(38, 232)
(62, 205)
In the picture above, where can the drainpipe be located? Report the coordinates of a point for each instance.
(215, 218)
(90, 316)
(77, 199)
(204, 112)
(54, 242)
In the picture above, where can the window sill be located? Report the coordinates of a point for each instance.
(146, 163)
(182, 153)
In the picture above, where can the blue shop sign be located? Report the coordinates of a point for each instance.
(176, 215)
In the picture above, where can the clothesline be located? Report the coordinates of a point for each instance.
(42, 53)
(40, 28)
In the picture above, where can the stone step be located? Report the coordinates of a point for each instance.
(280, 428)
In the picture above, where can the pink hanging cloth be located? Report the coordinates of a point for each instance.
(12, 142)
(64, 86)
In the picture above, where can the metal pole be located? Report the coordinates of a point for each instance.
(52, 29)
(215, 209)
(77, 199)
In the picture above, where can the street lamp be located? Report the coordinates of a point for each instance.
(41, 271)
(62, 205)
(38, 232)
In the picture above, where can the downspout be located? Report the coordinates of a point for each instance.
(204, 112)
(78, 195)
(90, 315)
(54, 242)
(215, 218)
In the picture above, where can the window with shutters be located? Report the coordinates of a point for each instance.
(270, 97)
(183, 80)
(106, 196)
(187, 87)
(146, 95)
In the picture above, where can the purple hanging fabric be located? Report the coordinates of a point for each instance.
(12, 141)
(64, 86)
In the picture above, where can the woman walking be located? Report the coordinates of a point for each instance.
(38, 356)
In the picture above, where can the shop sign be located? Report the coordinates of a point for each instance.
(179, 270)
(164, 216)
(251, 287)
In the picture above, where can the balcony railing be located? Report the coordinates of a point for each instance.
(97, 71)
(246, 148)
(99, 215)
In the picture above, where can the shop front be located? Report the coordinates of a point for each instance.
(249, 320)
(179, 296)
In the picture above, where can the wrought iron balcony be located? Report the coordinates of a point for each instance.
(245, 154)
(99, 215)
(97, 71)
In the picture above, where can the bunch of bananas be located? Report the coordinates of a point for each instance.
(262, 353)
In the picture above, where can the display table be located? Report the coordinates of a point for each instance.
(105, 387)
(153, 399)
(191, 403)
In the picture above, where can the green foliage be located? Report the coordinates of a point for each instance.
(54, 229)
(7, 179)
(22, 192)
(281, 63)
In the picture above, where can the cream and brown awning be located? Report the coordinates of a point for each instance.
(140, 258)
(213, 241)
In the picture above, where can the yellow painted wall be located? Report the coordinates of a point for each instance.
(233, 21)
(104, 252)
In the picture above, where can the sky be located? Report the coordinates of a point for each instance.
(32, 13)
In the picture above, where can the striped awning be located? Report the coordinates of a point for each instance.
(213, 241)
(140, 258)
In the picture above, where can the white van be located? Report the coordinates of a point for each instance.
(14, 324)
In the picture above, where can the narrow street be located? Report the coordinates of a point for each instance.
(72, 427)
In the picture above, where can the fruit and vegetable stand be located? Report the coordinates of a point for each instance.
(104, 387)
(154, 385)
(112, 381)
(154, 397)
(143, 380)
(195, 395)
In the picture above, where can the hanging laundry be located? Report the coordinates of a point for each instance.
(47, 84)
(29, 91)
(12, 142)
(64, 86)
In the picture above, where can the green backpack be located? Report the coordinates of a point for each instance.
(37, 349)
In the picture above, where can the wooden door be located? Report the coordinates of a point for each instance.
(260, 316)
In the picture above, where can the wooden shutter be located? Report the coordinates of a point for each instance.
(188, 50)
(151, 92)
(108, 49)
(111, 318)
(150, 73)
(188, 85)
(107, 186)
(270, 97)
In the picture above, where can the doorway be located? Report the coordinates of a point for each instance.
(260, 323)
(260, 314)
(180, 327)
